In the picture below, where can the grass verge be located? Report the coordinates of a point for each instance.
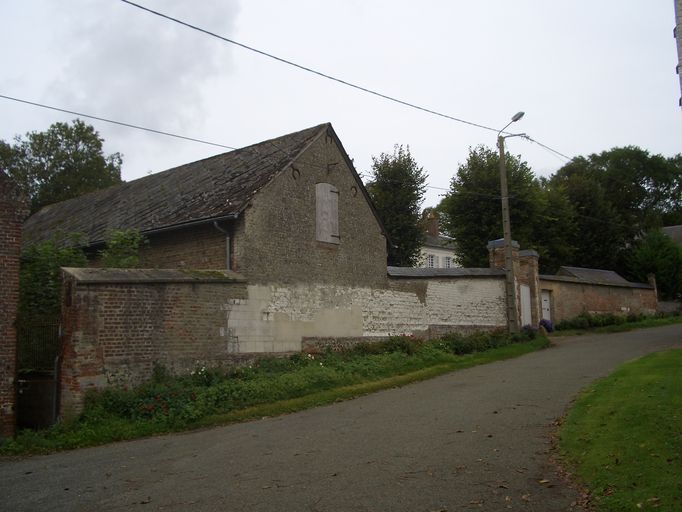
(277, 386)
(623, 437)
(621, 327)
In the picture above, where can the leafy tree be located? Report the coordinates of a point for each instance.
(122, 249)
(618, 195)
(557, 230)
(472, 209)
(397, 189)
(63, 162)
(40, 279)
(658, 254)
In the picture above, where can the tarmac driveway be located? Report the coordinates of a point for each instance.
(471, 440)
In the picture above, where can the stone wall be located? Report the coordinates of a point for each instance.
(275, 238)
(13, 210)
(119, 324)
(570, 297)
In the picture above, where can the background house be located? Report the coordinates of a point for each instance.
(438, 250)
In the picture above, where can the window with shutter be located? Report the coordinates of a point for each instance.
(327, 214)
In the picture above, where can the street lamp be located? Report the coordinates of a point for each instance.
(510, 278)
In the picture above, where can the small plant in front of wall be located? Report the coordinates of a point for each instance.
(122, 249)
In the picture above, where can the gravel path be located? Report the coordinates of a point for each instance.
(471, 440)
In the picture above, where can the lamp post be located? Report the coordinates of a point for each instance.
(510, 278)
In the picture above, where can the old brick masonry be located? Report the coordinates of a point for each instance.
(12, 213)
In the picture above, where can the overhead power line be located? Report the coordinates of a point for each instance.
(120, 123)
(327, 76)
(309, 70)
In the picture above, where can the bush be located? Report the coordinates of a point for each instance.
(587, 321)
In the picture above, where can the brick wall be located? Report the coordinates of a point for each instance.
(118, 324)
(12, 213)
(571, 297)
(275, 240)
(198, 247)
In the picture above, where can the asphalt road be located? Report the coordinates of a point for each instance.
(477, 439)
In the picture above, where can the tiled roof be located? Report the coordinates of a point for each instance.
(441, 242)
(593, 275)
(443, 272)
(214, 188)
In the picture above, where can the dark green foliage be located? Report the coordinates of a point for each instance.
(40, 278)
(397, 190)
(123, 249)
(63, 162)
(658, 254)
(589, 214)
(177, 401)
(617, 195)
(590, 321)
(472, 211)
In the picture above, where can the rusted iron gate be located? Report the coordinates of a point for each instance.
(38, 349)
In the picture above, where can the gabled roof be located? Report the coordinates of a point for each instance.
(215, 188)
(593, 275)
(674, 232)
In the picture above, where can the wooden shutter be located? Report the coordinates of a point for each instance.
(327, 213)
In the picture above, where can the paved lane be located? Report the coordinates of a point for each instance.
(471, 440)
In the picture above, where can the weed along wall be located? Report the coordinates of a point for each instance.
(118, 324)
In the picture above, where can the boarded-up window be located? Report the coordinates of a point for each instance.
(327, 215)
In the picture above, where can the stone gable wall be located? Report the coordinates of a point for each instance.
(13, 211)
(275, 240)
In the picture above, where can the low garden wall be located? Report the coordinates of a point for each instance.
(571, 297)
(118, 324)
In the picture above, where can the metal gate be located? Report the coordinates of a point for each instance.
(38, 349)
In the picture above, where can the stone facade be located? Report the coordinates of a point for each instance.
(119, 324)
(13, 210)
(275, 238)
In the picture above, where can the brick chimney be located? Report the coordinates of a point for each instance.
(432, 227)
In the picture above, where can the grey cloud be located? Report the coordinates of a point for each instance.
(128, 64)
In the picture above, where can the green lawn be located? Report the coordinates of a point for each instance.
(272, 386)
(623, 437)
(604, 324)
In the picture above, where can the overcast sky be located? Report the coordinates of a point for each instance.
(589, 75)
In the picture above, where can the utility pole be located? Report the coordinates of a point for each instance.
(510, 277)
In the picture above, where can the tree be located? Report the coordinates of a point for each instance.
(472, 211)
(63, 162)
(397, 190)
(618, 195)
(658, 254)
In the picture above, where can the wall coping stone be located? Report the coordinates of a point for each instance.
(500, 243)
(576, 280)
(150, 276)
(420, 273)
(529, 252)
